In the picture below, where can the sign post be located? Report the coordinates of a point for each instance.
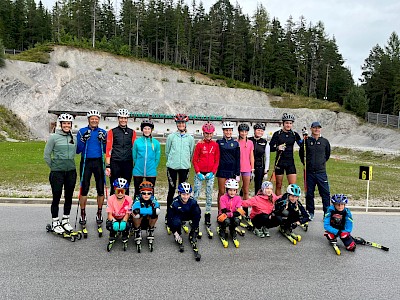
(366, 174)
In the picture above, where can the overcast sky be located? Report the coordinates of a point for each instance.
(356, 25)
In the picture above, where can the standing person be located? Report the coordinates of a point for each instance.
(318, 151)
(205, 163)
(146, 156)
(229, 159)
(59, 155)
(92, 144)
(179, 151)
(246, 159)
(261, 156)
(120, 140)
(282, 142)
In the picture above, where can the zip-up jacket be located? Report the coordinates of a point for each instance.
(94, 146)
(289, 138)
(317, 152)
(181, 211)
(146, 156)
(179, 150)
(206, 157)
(295, 211)
(261, 153)
(260, 204)
(119, 143)
(229, 158)
(346, 224)
(59, 152)
(230, 204)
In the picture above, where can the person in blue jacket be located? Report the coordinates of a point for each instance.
(184, 208)
(229, 158)
(338, 222)
(146, 156)
(145, 211)
(92, 146)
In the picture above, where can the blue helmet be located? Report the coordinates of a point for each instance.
(294, 189)
(339, 198)
(121, 183)
(184, 188)
(267, 184)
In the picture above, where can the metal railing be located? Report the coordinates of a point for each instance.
(383, 119)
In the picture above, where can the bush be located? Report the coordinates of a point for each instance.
(356, 101)
(191, 78)
(180, 81)
(63, 64)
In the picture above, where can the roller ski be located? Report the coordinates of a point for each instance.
(297, 237)
(240, 231)
(185, 227)
(207, 222)
(287, 234)
(193, 242)
(234, 239)
(82, 221)
(304, 226)
(138, 239)
(245, 222)
(335, 246)
(222, 236)
(112, 240)
(99, 221)
(56, 228)
(110, 244)
(150, 238)
(167, 227)
(361, 241)
(179, 241)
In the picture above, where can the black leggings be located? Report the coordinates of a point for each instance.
(137, 180)
(92, 166)
(58, 179)
(262, 219)
(258, 178)
(120, 169)
(172, 175)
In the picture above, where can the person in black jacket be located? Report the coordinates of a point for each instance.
(318, 151)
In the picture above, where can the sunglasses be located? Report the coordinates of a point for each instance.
(146, 193)
(120, 191)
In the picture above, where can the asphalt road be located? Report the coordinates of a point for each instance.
(35, 264)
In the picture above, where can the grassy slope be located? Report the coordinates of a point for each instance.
(23, 165)
(12, 124)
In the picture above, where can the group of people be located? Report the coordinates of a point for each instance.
(121, 156)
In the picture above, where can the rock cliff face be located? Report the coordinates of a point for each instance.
(105, 82)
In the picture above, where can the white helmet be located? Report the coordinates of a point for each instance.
(228, 125)
(92, 113)
(231, 184)
(123, 112)
(65, 118)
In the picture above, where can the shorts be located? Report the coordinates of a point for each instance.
(245, 174)
(289, 169)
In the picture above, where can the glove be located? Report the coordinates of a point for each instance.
(294, 225)
(222, 217)
(329, 235)
(108, 172)
(200, 176)
(102, 137)
(85, 136)
(344, 235)
(238, 178)
(252, 175)
(115, 226)
(122, 226)
(241, 211)
(282, 147)
(177, 237)
(304, 132)
(209, 175)
(265, 178)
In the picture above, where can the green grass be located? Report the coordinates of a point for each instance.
(297, 101)
(39, 54)
(23, 165)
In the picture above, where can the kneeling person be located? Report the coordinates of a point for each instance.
(119, 208)
(145, 211)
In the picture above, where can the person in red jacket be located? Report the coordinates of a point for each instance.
(262, 206)
(205, 163)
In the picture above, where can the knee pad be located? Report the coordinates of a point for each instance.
(157, 211)
(109, 225)
(136, 216)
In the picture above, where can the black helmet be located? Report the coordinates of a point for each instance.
(146, 122)
(259, 126)
(243, 127)
(288, 117)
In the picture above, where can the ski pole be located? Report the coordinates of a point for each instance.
(305, 162)
(272, 178)
(80, 184)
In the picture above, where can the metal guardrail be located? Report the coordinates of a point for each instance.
(12, 51)
(383, 119)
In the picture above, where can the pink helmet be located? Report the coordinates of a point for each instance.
(208, 128)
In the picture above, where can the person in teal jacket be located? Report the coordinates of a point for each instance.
(179, 151)
(146, 156)
(59, 155)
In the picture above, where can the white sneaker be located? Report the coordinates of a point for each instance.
(65, 224)
(56, 226)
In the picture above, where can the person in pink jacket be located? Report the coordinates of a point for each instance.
(262, 206)
(230, 208)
